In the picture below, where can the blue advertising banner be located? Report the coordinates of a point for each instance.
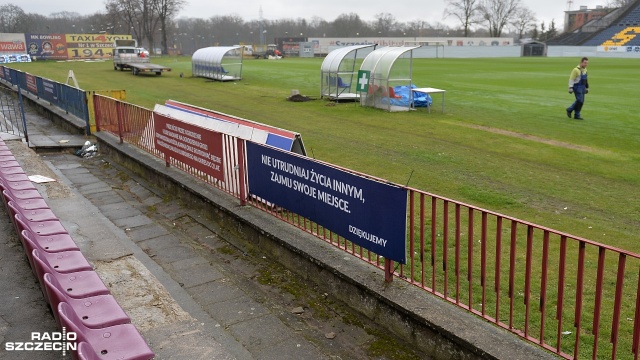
(369, 213)
(47, 46)
(50, 91)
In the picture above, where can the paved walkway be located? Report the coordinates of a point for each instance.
(190, 293)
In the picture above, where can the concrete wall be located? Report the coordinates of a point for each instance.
(514, 51)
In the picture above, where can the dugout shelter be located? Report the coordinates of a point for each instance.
(339, 71)
(533, 48)
(390, 78)
(222, 63)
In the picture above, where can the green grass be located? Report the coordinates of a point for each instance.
(504, 142)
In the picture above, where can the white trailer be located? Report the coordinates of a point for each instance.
(127, 55)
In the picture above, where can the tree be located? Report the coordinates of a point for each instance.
(466, 11)
(534, 33)
(618, 3)
(384, 23)
(350, 24)
(552, 32)
(497, 14)
(523, 19)
(166, 9)
(145, 17)
(544, 34)
(12, 18)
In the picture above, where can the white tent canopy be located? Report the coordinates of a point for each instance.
(222, 63)
(389, 67)
(339, 71)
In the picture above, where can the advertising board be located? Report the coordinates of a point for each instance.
(195, 146)
(370, 213)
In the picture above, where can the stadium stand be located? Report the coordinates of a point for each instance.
(620, 27)
(79, 299)
(622, 31)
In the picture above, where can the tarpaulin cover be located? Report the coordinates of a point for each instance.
(404, 93)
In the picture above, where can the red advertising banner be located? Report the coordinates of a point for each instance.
(197, 147)
(31, 83)
(12, 46)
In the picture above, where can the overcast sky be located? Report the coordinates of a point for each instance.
(428, 10)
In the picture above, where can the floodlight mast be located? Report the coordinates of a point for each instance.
(263, 32)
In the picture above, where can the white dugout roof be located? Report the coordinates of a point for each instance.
(217, 62)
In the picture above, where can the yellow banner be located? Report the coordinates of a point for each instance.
(91, 46)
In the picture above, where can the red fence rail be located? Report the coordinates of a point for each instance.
(569, 295)
(134, 124)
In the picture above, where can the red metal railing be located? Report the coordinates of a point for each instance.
(134, 124)
(569, 295)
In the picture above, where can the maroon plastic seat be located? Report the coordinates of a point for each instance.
(94, 311)
(63, 262)
(9, 164)
(47, 227)
(33, 214)
(85, 352)
(23, 194)
(11, 170)
(60, 263)
(18, 185)
(113, 342)
(51, 243)
(21, 176)
(77, 285)
(26, 204)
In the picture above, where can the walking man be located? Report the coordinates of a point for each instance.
(578, 86)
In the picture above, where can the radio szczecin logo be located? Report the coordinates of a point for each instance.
(45, 341)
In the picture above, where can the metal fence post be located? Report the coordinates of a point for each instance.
(388, 270)
(24, 120)
(241, 165)
(119, 117)
(96, 110)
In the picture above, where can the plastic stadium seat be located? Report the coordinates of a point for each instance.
(8, 164)
(48, 227)
(15, 177)
(11, 170)
(94, 311)
(76, 285)
(51, 243)
(63, 262)
(5, 152)
(342, 84)
(18, 185)
(113, 342)
(85, 352)
(25, 204)
(7, 157)
(392, 93)
(24, 194)
(32, 214)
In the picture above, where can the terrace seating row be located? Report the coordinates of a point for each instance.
(623, 37)
(622, 32)
(79, 300)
